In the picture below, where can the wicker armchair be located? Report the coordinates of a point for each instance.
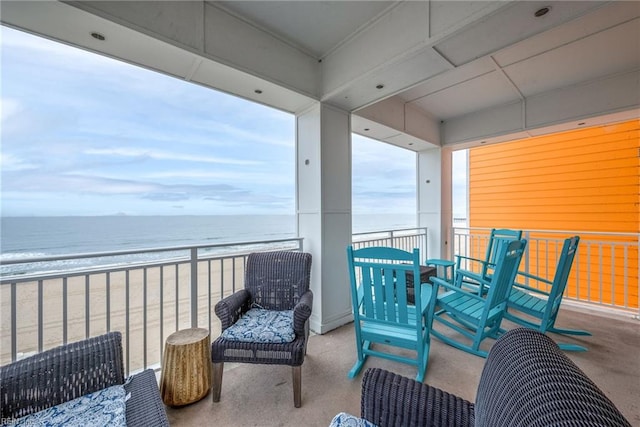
(70, 371)
(273, 281)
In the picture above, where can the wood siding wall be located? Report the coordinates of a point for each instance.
(583, 180)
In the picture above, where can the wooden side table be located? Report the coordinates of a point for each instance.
(186, 367)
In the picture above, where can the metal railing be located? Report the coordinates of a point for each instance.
(605, 271)
(145, 294)
(406, 239)
(149, 294)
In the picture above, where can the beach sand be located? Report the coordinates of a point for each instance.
(123, 295)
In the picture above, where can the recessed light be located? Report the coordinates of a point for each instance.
(366, 129)
(411, 143)
(542, 11)
(483, 142)
(98, 36)
(380, 86)
(582, 123)
(258, 91)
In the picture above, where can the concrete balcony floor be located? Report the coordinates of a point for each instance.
(261, 395)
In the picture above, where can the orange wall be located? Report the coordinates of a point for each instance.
(583, 180)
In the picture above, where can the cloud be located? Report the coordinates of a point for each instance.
(9, 107)
(10, 162)
(167, 155)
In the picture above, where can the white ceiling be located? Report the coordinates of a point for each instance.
(413, 72)
(315, 27)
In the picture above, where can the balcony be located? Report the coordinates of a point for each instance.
(162, 290)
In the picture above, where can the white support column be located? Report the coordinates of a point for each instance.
(323, 198)
(434, 199)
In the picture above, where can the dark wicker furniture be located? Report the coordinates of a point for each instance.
(70, 371)
(274, 281)
(526, 381)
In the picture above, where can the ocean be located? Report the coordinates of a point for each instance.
(34, 237)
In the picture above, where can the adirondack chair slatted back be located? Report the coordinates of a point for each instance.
(506, 269)
(561, 277)
(382, 277)
(499, 237)
(381, 309)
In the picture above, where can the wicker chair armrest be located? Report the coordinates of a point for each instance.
(60, 374)
(230, 309)
(144, 406)
(301, 312)
(391, 400)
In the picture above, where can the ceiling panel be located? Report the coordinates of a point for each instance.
(599, 55)
(450, 78)
(448, 14)
(490, 89)
(317, 27)
(393, 79)
(606, 17)
(513, 23)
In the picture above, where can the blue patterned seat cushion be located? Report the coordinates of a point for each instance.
(344, 419)
(265, 326)
(105, 407)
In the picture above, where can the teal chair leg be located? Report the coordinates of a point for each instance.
(357, 367)
(571, 347)
(569, 331)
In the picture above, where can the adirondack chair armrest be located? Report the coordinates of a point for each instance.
(537, 278)
(466, 276)
(230, 309)
(468, 258)
(469, 275)
(437, 282)
(527, 288)
(425, 294)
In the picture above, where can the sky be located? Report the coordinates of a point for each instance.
(82, 134)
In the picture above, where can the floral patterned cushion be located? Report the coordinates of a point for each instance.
(260, 325)
(347, 420)
(105, 407)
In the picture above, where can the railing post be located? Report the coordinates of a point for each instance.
(194, 287)
(14, 322)
(426, 242)
(452, 243)
(527, 236)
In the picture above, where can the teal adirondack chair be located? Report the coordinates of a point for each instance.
(486, 266)
(469, 314)
(381, 312)
(542, 306)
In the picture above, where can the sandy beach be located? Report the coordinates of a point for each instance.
(98, 302)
